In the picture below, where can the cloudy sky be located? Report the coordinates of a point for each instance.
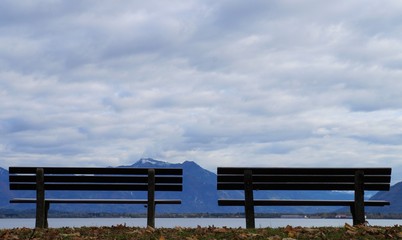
(223, 83)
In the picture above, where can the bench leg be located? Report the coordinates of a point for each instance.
(151, 198)
(249, 197)
(40, 199)
(358, 210)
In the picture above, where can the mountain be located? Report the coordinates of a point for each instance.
(199, 186)
(5, 193)
(393, 196)
(199, 195)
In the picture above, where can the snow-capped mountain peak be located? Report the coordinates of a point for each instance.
(151, 162)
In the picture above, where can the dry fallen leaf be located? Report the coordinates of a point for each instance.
(311, 230)
(221, 230)
(276, 237)
(9, 236)
(191, 238)
(349, 227)
(373, 230)
(150, 229)
(350, 232)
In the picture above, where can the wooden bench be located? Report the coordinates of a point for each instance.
(297, 179)
(47, 179)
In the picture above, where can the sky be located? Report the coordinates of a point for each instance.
(223, 83)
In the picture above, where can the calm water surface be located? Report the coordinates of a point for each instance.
(189, 222)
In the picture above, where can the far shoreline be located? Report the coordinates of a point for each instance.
(331, 215)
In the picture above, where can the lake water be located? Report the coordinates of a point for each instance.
(189, 222)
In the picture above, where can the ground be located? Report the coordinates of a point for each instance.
(121, 232)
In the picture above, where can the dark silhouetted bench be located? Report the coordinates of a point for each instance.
(298, 179)
(47, 179)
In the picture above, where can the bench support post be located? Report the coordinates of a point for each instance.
(249, 199)
(40, 199)
(151, 198)
(358, 208)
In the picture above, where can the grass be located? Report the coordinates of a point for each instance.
(122, 232)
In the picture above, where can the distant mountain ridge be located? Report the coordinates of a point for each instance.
(199, 195)
(5, 193)
(394, 196)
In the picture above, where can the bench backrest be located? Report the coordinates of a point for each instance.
(375, 179)
(97, 179)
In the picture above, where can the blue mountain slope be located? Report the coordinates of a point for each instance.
(5, 194)
(394, 196)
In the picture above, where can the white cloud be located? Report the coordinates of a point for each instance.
(273, 83)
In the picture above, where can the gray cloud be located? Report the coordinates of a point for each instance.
(272, 83)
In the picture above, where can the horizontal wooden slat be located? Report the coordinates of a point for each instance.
(94, 179)
(305, 171)
(98, 187)
(304, 186)
(237, 202)
(100, 201)
(87, 170)
(302, 178)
